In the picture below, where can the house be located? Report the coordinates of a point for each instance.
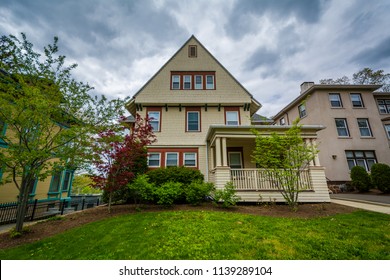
(57, 186)
(357, 121)
(202, 116)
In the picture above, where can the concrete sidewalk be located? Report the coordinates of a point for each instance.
(366, 205)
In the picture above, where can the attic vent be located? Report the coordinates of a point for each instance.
(192, 51)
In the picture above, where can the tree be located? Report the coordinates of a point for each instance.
(284, 158)
(119, 159)
(82, 184)
(49, 115)
(365, 76)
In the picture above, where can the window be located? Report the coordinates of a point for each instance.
(3, 128)
(209, 82)
(335, 100)
(154, 160)
(193, 123)
(55, 182)
(235, 160)
(364, 159)
(302, 110)
(383, 106)
(282, 121)
(67, 180)
(232, 118)
(32, 187)
(342, 127)
(187, 82)
(154, 117)
(198, 82)
(190, 159)
(364, 128)
(356, 100)
(192, 51)
(171, 159)
(192, 80)
(175, 82)
(387, 128)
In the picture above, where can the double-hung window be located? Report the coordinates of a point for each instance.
(187, 82)
(302, 110)
(198, 82)
(387, 129)
(342, 127)
(357, 101)
(335, 100)
(364, 128)
(67, 180)
(171, 159)
(364, 159)
(232, 118)
(193, 121)
(235, 160)
(383, 106)
(154, 160)
(210, 82)
(175, 82)
(190, 159)
(55, 182)
(154, 120)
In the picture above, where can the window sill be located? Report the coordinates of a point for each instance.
(344, 137)
(337, 107)
(367, 137)
(359, 107)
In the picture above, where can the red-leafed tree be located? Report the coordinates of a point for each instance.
(119, 158)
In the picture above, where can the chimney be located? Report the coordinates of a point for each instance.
(305, 86)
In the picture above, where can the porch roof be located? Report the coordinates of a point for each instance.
(244, 131)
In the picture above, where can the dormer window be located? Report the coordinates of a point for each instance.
(192, 51)
(175, 82)
(192, 80)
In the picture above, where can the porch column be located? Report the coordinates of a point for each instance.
(218, 151)
(316, 159)
(308, 144)
(224, 152)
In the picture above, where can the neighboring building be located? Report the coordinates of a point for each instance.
(202, 118)
(357, 122)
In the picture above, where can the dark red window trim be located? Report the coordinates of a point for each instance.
(180, 152)
(155, 109)
(232, 109)
(204, 74)
(194, 109)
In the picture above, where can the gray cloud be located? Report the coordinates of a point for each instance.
(378, 55)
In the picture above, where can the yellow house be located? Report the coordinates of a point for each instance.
(202, 118)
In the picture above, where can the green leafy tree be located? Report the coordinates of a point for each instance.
(365, 76)
(83, 184)
(284, 157)
(50, 116)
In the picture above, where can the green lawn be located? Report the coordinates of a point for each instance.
(217, 235)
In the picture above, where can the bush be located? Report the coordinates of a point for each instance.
(360, 179)
(181, 175)
(142, 189)
(380, 177)
(227, 196)
(198, 191)
(168, 193)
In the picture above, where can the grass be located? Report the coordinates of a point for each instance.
(217, 235)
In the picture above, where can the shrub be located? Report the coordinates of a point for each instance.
(181, 174)
(142, 189)
(360, 179)
(380, 177)
(227, 196)
(168, 193)
(198, 191)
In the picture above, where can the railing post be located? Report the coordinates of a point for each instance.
(33, 211)
(82, 206)
(63, 207)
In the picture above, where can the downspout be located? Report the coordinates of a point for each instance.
(207, 161)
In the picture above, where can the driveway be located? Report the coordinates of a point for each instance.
(372, 202)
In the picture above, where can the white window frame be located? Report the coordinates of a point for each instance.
(387, 129)
(155, 120)
(198, 85)
(159, 159)
(210, 85)
(342, 127)
(187, 124)
(240, 157)
(383, 106)
(195, 159)
(360, 100)
(302, 110)
(335, 97)
(235, 121)
(167, 154)
(363, 161)
(365, 127)
(175, 82)
(282, 121)
(187, 80)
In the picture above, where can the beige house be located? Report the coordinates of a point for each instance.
(357, 121)
(202, 118)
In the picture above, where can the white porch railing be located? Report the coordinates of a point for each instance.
(261, 179)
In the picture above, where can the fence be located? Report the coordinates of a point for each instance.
(37, 210)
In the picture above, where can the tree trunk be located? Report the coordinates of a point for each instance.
(22, 205)
(109, 202)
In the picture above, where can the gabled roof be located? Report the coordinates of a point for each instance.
(255, 105)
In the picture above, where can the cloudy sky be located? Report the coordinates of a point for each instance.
(270, 46)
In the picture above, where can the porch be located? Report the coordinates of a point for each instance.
(229, 159)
